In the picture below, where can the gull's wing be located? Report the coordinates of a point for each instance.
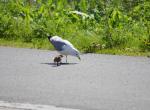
(68, 43)
(58, 43)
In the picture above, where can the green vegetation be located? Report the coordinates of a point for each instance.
(102, 26)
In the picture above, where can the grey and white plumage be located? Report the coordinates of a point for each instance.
(64, 47)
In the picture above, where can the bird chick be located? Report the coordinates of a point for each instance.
(58, 59)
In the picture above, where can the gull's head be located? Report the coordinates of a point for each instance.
(76, 53)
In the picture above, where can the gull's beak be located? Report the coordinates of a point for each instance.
(79, 58)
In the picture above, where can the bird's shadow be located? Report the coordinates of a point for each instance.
(55, 65)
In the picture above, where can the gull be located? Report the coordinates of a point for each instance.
(64, 47)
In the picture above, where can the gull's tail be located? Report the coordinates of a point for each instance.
(49, 36)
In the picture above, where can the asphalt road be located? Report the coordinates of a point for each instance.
(97, 82)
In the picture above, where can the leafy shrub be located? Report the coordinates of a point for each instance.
(108, 24)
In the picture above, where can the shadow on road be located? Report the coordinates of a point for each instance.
(54, 65)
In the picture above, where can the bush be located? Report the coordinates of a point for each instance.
(89, 25)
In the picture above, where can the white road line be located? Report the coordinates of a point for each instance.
(26, 106)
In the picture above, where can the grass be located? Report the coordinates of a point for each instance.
(46, 45)
(20, 44)
(124, 52)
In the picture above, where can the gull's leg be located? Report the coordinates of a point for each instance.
(61, 60)
(57, 64)
(66, 58)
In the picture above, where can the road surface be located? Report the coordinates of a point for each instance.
(97, 82)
